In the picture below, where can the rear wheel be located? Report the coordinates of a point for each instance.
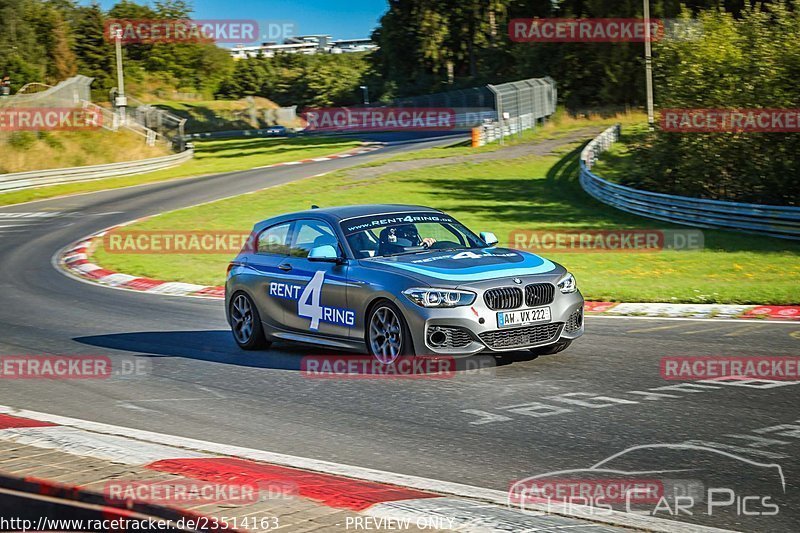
(551, 348)
(246, 323)
(387, 336)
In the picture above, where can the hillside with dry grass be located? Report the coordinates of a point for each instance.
(23, 150)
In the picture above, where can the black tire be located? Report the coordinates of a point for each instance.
(242, 309)
(401, 333)
(551, 349)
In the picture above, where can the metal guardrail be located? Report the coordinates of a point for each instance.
(772, 220)
(58, 176)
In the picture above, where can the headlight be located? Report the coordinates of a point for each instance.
(439, 297)
(567, 284)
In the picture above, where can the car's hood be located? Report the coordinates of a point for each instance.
(465, 266)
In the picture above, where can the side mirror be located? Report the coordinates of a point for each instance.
(325, 253)
(489, 238)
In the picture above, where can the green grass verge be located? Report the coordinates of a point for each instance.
(211, 157)
(617, 163)
(526, 193)
(558, 126)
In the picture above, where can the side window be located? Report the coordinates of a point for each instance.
(309, 234)
(273, 240)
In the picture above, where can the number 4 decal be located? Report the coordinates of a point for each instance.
(308, 304)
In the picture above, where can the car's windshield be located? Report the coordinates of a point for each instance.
(396, 234)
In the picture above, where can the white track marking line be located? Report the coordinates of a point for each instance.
(497, 497)
(17, 215)
(656, 328)
(694, 332)
(89, 444)
(176, 400)
(728, 320)
(749, 328)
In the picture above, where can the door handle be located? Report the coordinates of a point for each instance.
(286, 267)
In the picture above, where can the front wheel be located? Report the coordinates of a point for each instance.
(552, 348)
(246, 323)
(387, 336)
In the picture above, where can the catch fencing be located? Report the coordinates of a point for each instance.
(496, 110)
(167, 126)
(772, 220)
(75, 92)
(520, 105)
(151, 123)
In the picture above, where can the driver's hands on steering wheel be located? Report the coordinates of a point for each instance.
(428, 241)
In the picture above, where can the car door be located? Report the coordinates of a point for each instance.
(265, 278)
(321, 304)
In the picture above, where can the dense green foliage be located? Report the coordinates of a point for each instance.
(746, 63)
(308, 80)
(49, 40)
(433, 46)
(747, 56)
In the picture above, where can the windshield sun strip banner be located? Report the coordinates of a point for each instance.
(354, 225)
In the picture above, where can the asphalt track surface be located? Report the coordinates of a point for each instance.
(518, 417)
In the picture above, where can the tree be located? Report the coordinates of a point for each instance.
(62, 62)
(92, 49)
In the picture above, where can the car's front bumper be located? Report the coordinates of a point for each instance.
(472, 329)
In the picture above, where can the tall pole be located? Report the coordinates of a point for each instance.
(365, 91)
(648, 65)
(121, 102)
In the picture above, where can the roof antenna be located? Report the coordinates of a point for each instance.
(314, 206)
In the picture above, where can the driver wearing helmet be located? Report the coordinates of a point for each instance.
(409, 232)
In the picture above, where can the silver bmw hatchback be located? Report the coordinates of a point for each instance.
(396, 280)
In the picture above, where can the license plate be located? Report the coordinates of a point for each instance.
(523, 317)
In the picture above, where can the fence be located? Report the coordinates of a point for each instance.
(166, 126)
(775, 221)
(521, 104)
(498, 110)
(67, 93)
(58, 176)
(76, 92)
(475, 97)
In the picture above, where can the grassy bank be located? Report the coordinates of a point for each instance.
(224, 115)
(618, 163)
(30, 150)
(534, 192)
(211, 157)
